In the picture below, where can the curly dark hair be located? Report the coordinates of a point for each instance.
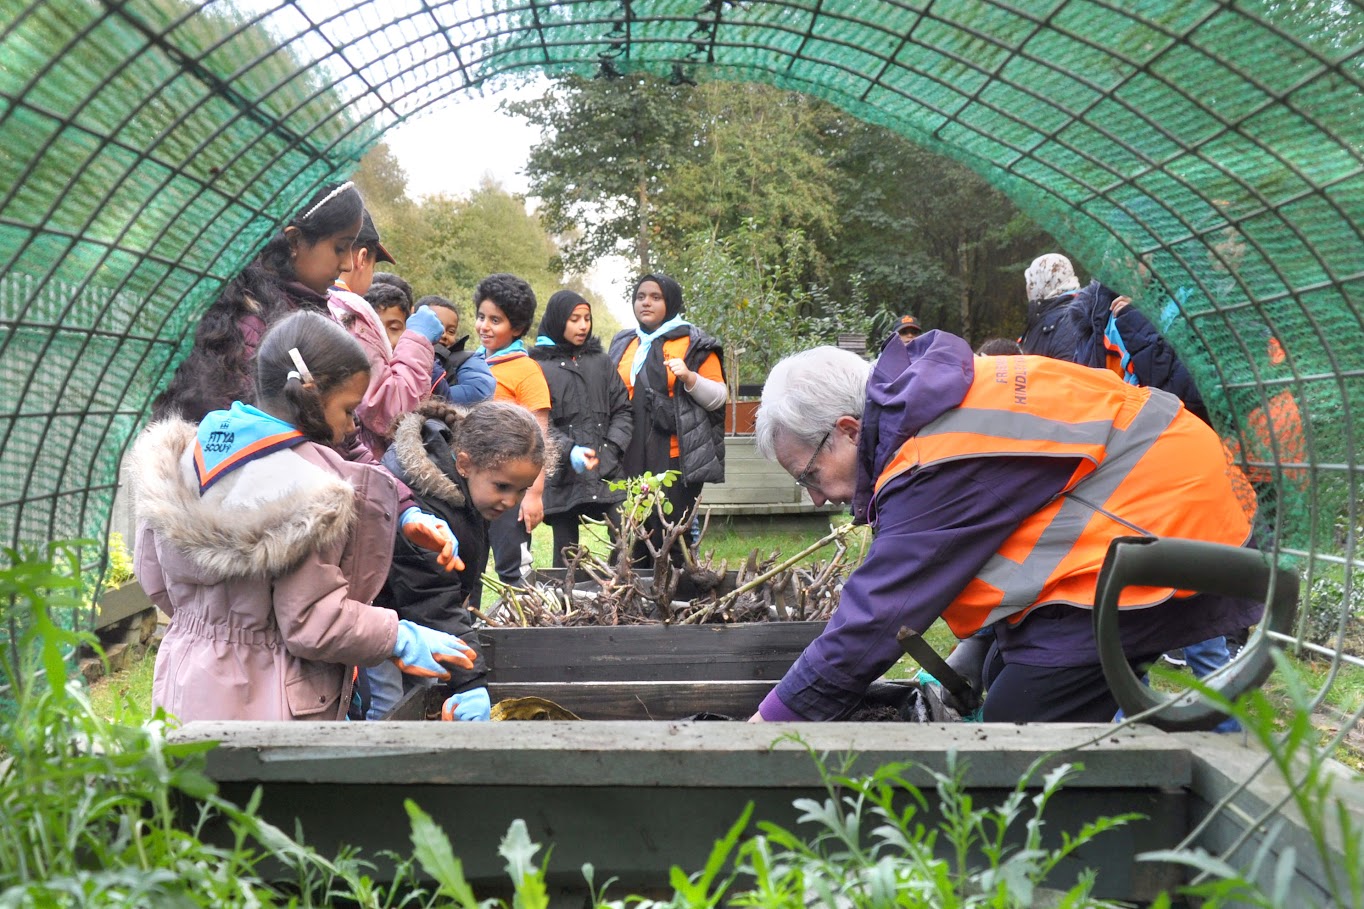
(389, 278)
(384, 296)
(512, 295)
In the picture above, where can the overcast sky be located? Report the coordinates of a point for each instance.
(452, 149)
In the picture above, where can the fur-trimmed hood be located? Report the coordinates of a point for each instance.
(263, 518)
(422, 455)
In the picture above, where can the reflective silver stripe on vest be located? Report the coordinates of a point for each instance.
(1022, 583)
(1011, 424)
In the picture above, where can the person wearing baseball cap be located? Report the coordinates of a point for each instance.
(366, 253)
(400, 372)
(908, 328)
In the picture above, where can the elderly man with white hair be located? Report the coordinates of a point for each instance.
(993, 486)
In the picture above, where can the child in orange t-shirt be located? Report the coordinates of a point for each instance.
(505, 307)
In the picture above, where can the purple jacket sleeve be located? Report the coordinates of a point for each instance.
(935, 528)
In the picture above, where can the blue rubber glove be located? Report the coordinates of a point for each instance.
(470, 706)
(426, 323)
(430, 532)
(582, 458)
(421, 650)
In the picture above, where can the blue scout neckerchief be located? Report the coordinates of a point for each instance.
(646, 340)
(513, 350)
(228, 439)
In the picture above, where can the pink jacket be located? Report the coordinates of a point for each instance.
(398, 377)
(267, 578)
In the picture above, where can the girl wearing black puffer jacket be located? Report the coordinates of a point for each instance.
(467, 466)
(589, 419)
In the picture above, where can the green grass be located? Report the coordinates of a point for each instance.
(127, 693)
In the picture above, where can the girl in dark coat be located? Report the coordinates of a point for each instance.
(589, 419)
(674, 373)
(465, 467)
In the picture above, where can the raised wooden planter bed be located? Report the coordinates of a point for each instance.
(634, 672)
(637, 798)
(634, 799)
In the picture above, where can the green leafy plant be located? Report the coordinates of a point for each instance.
(109, 813)
(872, 842)
(644, 494)
(120, 570)
(1290, 742)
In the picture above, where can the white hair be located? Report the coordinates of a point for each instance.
(807, 392)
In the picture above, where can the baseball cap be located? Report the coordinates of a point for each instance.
(908, 323)
(369, 236)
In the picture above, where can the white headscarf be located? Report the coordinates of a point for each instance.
(1050, 276)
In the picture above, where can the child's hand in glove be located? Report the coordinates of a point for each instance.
(470, 706)
(430, 532)
(421, 650)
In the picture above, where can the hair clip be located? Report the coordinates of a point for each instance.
(292, 374)
(349, 184)
(303, 372)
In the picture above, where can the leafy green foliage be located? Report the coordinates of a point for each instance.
(743, 296)
(431, 847)
(645, 493)
(611, 147)
(1289, 740)
(777, 208)
(120, 569)
(871, 842)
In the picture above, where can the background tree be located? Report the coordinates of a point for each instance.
(610, 146)
(884, 226)
(926, 235)
(762, 172)
(446, 244)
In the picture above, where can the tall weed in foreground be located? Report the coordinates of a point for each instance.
(1292, 747)
(89, 807)
(869, 843)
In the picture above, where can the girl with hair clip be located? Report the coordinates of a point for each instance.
(673, 371)
(265, 546)
(467, 467)
(589, 419)
(292, 273)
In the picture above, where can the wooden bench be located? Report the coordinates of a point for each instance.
(756, 486)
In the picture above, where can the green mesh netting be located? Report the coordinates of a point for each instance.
(1207, 153)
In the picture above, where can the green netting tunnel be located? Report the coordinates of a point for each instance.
(1209, 155)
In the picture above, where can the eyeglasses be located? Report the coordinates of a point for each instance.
(803, 478)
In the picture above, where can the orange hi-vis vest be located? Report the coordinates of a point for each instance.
(673, 349)
(1147, 467)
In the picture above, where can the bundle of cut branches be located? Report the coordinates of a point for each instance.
(609, 591)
